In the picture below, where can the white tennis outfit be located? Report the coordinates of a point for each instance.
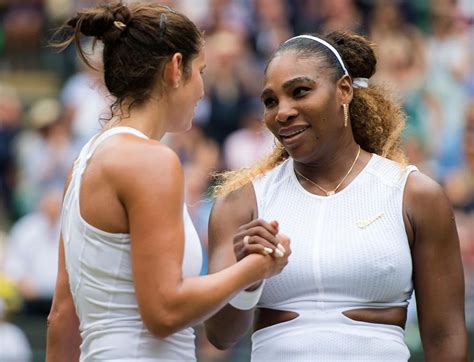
(100, 277)
(349, 250)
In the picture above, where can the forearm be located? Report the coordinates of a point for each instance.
(63, 339)
(228, 326)
(196, 299)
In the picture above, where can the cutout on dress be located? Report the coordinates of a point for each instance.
(393, 316)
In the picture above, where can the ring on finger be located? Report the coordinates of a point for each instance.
(246, 240)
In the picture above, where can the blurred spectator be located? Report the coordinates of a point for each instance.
(459, 183)
(85, 98)
(307, 16)
(272, 26)
(10, 122)
(231, 79)
(401, 63)
(45, 153)
(200, 157)
(340, 15)
(447, 69)
(32, 255)
(227, 15)
(250, 142)
(459, 186)
(13, 342)
(23, 26)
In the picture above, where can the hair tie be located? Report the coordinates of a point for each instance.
(360, 83)
(119, 25)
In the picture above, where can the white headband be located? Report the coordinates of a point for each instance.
(356, 82)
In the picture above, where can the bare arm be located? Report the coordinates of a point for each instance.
(438, 273)
(227, 217)
(153, 199)
(63, 339)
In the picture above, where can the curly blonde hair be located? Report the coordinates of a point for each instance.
(377, 120)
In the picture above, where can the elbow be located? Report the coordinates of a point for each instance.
(446, 346)
(55, 316)
(219, 343)
(163, 326)
(217, 339)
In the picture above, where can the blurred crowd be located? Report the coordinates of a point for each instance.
(50, 104)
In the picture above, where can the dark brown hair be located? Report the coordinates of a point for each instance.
(377, 120)
(138, 42)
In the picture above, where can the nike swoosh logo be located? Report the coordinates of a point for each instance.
(364, 223)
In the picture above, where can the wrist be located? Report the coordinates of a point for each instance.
(254, 286)
(258, 267)
(246, 300)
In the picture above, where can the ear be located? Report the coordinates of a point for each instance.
(173, 71)
(344, 89)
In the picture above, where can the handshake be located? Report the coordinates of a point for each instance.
(261, 237)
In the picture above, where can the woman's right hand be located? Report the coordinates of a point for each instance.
(261, 237)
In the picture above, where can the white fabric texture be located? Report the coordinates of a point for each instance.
(349, 250)
(100, 278)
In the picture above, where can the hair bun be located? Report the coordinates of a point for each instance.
(101, 22)
(357, 53)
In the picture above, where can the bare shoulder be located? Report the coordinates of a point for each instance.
(424, 194)
(429, 210)
(130, 160)
(229, 213)
(132, 165)
(240, 203)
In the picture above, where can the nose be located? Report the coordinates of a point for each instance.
(285, 112)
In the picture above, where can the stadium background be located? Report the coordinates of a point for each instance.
(50, 104)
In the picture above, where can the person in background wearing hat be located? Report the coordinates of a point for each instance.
(45, 153)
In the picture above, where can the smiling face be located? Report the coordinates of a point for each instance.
(303, 105)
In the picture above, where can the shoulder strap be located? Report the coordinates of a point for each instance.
(111, 132)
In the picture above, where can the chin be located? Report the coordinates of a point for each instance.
(300, 155)
(188, 125)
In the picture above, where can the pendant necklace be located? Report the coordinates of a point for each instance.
(331, 192)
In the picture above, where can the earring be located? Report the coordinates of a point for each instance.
(345, 107)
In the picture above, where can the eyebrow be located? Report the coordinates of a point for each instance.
(289, 83)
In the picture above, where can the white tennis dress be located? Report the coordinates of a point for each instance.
(349, 251)
(100, 277)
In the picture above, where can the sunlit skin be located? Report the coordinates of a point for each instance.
(300, 94)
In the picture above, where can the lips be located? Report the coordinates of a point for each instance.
(289, 132)
(292, 136)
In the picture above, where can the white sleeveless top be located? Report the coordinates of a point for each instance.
(349, 250)
(100, 277)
